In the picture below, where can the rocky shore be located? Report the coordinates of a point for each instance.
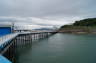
(77, 31)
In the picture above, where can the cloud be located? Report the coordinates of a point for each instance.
(41, 8)
(45, 21)
(46, 12)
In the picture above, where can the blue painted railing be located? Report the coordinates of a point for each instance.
(4, 60)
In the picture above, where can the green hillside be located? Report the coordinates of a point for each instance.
(85, 25)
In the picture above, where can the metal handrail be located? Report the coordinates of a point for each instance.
(5, 39)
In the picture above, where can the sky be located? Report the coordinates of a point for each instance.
(46, 13)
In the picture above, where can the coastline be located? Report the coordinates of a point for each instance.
(77, 32)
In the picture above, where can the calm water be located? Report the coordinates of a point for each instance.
(60, 48)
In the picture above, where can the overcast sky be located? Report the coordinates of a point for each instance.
(46, 12)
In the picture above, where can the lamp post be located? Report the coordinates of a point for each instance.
(12, 27)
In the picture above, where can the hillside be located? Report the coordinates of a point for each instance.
(82, 26)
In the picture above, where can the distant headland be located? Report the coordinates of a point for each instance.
(82, 26)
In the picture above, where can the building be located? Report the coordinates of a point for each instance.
(5, 29)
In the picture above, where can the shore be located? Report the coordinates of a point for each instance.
(77, 32)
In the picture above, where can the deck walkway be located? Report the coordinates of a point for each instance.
(5, 39)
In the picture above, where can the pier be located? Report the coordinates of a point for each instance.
(9, 42)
